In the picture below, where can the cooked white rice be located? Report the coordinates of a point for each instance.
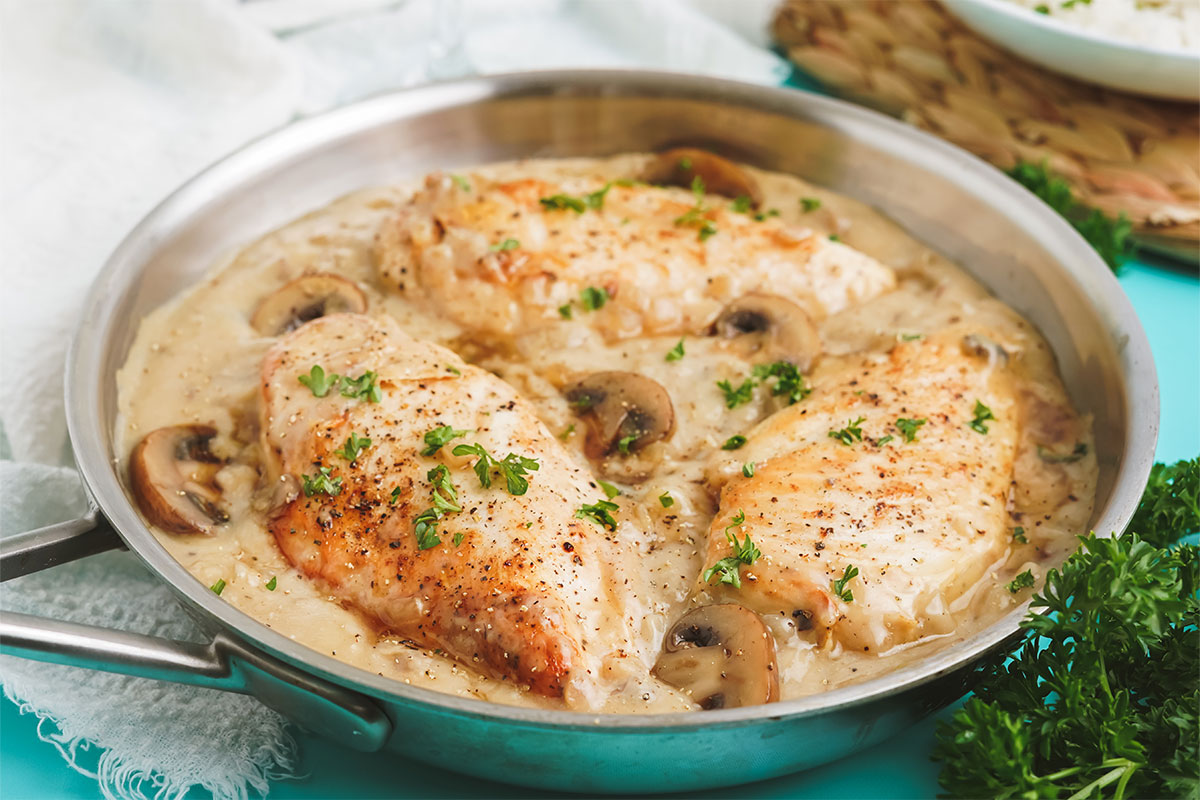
(1168, 24)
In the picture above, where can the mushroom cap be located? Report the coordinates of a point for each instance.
(679, 166)
(304, 299)
(774, 327)
(723, 655)
(618, 405)
(172, 473)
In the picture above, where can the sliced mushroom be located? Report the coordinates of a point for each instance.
(777, 329)
(174, 479)
(625, 411)
(305, 299)
(679, 166)
(722, 655)
(974, 344)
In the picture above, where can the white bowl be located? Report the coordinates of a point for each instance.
(1159, 72)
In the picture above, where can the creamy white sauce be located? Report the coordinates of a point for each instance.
(196, 360)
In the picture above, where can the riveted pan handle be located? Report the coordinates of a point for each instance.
(222, 663)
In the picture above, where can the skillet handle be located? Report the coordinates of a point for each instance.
(42, 548)
(223, 663)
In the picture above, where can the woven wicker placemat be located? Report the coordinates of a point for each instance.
(910, 58)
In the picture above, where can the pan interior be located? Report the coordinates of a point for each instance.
(1008, 240)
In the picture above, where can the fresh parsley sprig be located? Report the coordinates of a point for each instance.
(513, 467)
(600, 513)
(729, 569)
(1102, 698)
(439, 437)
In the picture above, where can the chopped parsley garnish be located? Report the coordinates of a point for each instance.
(1018, 535)
(445, 501)
(507, 244)
(364, 387)
(765, 215)
(810, 204)
(564, 311)
(741, 204)
(609, 490)
(729, 569)
(425, 529)
(1050, 457)
(740, 395)
(321, 482)
(1042, 8)
(218, 587)
(676, 352)
(833, 237)
(748, 469)
(982, 415)
(271, 584)
(453, 370)
(439, 437)
(461, 182)
(911, 337)
(685, 163)
(734, 442)
(789, 382)
(666, 500)
(568, 432)
(882, 440)
(354, 445)
(599, 513)
(839, 586)
(851, 433)
(1022, 581)
(596, 199)
(445, 496)
(318, 382)
(458, 538)
(625, 442)
(513, 467)
(395, 496)
(593, 298)
(562, 202)
(909, 427)
(694, 216)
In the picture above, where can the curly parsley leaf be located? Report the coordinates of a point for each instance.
(593, 298)
(322, 482)
(318, 382)
(1102, 698)
(739, 395)
(908, 427)
(851, 433)
(364, 387)
(839, 585)
(439, 437)
(600, 513)
(728, 570)
(789, 382)
(1109, 237)
(982, 415)
(354, 445)
(513, 468)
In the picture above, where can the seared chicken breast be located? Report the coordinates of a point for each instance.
(506, 579)
(898, 466)
(504, 257)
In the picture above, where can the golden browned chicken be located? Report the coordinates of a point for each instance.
(505, 578)
(504, 257)
(878, 502)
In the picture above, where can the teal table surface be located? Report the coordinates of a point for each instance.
(1167, 299)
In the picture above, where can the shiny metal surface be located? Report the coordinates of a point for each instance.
(1007, 238)
(36, 550)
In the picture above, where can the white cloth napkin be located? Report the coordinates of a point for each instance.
(106, 107)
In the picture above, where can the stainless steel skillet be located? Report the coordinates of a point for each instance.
(1007, 238)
